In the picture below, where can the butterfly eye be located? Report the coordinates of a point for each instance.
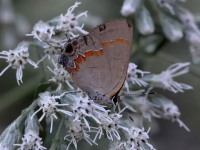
(68, 48)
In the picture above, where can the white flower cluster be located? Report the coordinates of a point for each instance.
(60, 77)
(170, 111)
(42, 31)
(49, 107)
(163, 80)
(31, 140)
(78, 131)
(144, 105)
(137, 139)
(133, 75)
(17, 59)
(166, 81)
(85, 109)
(69, 22)
(182, 24)
(79, 113)
(66, 25)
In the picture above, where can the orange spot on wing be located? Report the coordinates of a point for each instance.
(75, 69)
(94, 53)
(99, 53)
(117, 41)
(79, 59)
(89, 53)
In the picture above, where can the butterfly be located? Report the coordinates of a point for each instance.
(98, 62)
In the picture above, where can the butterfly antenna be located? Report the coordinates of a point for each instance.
(56, 47)
(74, 92)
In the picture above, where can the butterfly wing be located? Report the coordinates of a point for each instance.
(105, 53)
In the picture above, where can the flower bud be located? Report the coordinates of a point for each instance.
(171, 28)
(130, 7)
(144, 22)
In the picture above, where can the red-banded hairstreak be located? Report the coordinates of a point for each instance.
(98, 61)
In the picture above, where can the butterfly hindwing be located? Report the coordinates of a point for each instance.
(102, 63)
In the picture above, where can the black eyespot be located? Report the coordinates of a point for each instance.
(68, 48)
(102, 27)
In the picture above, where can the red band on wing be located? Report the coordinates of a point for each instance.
(117, 41)
(81, 58)
(94, 53)
(75, 69)
(97, 53)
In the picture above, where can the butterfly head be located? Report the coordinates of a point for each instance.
(68, 52)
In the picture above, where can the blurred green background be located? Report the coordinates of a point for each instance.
(14, 98)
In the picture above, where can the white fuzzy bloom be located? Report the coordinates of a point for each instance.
(193, 37)
(172, 29)
(61, 76)
(186, 17)
(4, 147)
(84, 108)
(166, 81)
(138, 139)
(78, 131)
(50, 52)
(130, 7)
(49, 107)
(168, 4)
(111, 126)
(195, 52)
(69, 22)
(133, 76)
(42, 31)
(32, 141)
(171, 111)
(17, 59)
(145, 107)
(144, 22)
